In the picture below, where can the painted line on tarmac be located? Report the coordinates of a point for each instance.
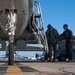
(13, 68)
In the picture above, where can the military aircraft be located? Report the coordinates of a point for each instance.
(18, 21)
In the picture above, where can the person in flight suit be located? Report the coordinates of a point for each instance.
(67, 34)
(52, 38)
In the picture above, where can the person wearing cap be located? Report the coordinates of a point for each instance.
(52, 38)
(67, 34)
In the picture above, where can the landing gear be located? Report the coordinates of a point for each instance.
(11, 50)
(11, 54)
(10, 30)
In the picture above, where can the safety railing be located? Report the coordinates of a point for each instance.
(40, 34)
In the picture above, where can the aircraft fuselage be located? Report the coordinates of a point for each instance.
(23, 10)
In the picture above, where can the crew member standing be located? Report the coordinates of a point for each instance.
(52, 38)
(67, 34)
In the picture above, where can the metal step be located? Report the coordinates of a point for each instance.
(37, 15)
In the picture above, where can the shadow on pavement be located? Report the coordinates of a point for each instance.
(27, 69)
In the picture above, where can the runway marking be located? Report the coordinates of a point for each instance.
(13, 68)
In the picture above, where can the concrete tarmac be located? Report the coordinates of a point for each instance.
(38, 68)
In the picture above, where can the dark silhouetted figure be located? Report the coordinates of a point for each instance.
(36, 55)
(67, 34)
(52, 38)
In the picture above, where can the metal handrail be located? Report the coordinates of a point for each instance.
(43, 36)
(37, 4)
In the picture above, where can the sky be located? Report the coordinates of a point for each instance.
(57, 13)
